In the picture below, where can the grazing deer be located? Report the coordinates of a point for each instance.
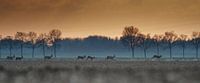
(48, 57)
(81, 57)
(157, 56)
(90, 57)
(110, 57)
(19, 58)
(10, 57)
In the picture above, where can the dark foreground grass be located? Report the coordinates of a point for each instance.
(99, 72)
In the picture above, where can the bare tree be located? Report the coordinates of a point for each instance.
(170, 37)
(21, 36)
(196, 42)
(183, 39)
(141, 40)
(32, 37)
(55, 35)
(43, 39)
(157, 39)
(9, 39)
(145, 41)
(130, 39)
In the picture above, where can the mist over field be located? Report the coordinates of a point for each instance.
(98, 46)
(99, 72)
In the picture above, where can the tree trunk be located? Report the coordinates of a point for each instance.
(133, 51)
(55, 49)
(183, 52)
(21, 49)
(145, 52)
(197, 53)
(158, 50)
(10, 49)
(170, 49)
(33, 50)
(43, 49)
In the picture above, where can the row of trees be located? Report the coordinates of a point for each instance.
(132, 37)
(31, 39)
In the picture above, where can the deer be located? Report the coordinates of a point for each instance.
(81, 57)
(10, 57)
(90, 57)
(19, 58)
(157, 56)
(110, 57)
(48, 57)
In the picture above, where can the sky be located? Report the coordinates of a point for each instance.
(80, 18)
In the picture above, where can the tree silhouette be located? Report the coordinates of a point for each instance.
(9, 40)
(145, 41)
(43, 38)
(183, 39)
(141, 41)
(170, 38)
(21, 36)
(55, 35)
(157, 39)
(130, 39)
(32, 37)
(196, 42)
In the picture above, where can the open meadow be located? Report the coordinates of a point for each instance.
(82, 71)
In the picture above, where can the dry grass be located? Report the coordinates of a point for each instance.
(99, 71)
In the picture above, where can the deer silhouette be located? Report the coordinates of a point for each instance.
(110, 57)
(19, 58)
(90, 57)
(10, 57)
(48, 57)
(157, 56)
(81, 57)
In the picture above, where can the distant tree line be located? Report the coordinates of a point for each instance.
(31, 39)
(131, 38)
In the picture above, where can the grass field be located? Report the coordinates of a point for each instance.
(61, 71)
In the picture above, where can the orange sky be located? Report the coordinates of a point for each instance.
(80, 18)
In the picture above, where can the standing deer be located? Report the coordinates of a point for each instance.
(19, 58)
(90, 57)
(157, 56)
(110, 57)
(48, 57)
(10, 57)
(81, 57)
